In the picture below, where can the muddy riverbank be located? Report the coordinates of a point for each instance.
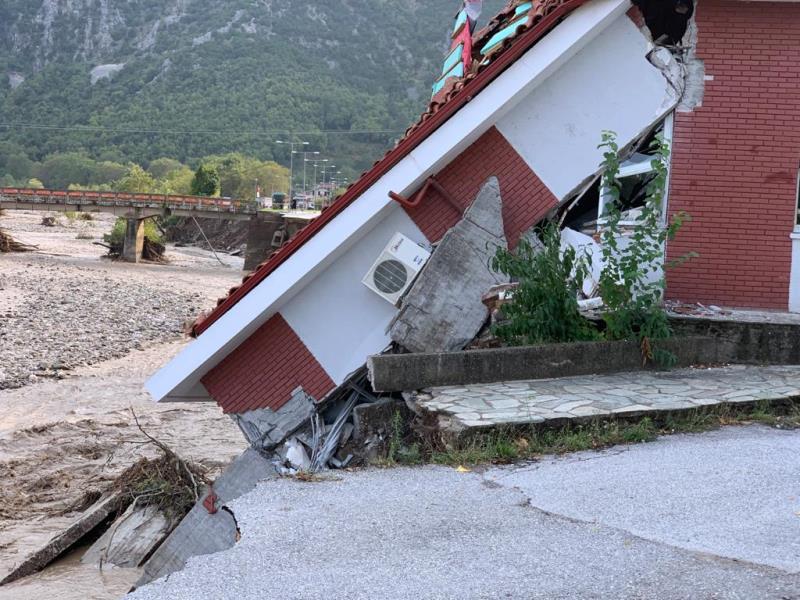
(79, 335)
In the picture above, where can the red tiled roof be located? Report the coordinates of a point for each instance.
(542, 18)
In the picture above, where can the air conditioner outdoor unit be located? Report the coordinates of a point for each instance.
(396, 268)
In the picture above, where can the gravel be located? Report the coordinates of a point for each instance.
(72, 319)
(65, 306)
(437, 533)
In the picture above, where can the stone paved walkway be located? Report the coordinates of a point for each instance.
(605, 395)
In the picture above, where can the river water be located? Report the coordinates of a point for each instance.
(68, 579)
(60, 438)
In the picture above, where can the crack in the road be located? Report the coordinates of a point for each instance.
(528, 502)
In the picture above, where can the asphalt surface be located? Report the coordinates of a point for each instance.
(712, 516)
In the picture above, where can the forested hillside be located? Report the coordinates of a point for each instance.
(137, 80)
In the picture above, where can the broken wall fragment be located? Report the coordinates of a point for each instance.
(444, 311)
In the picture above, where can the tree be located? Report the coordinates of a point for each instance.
(178, 182)
(161, 168)
(205, 182)
(35, 184)
(136, 181)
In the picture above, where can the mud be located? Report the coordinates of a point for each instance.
(67, 433)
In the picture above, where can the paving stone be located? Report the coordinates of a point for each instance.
(570, 406)
(633, 408)
(623, 393)
(588, 411)
(468, 416)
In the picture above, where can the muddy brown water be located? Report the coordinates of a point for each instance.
(61, 439)
(68, 579)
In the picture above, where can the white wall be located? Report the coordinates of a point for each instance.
(609, 84)
(794, 280)
(337, 317)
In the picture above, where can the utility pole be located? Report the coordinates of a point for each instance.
(291, 163)
(325, 170)
(305, 160)
(316, 165)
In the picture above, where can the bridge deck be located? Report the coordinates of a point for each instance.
(122, 204)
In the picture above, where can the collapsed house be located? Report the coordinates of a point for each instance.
(511, 136)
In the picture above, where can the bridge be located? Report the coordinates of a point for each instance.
(135, 208)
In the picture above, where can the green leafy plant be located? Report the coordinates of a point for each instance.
(545, 305)
(397, 450)
(117, 235)
(632, 296)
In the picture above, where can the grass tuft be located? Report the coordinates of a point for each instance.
(504, 445)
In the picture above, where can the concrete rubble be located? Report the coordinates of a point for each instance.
(90, 520)
(443, 311)
(209, 527)
(131, 539)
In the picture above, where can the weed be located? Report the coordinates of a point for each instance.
(632, 298)
(545, 305)
(397, 451)
(503, 445)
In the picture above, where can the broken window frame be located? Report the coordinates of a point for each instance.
(630, 168)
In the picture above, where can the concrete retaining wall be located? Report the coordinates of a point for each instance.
(406, 372)
(755, 343)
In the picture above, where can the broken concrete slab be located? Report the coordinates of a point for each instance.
(100, 512)
(130, 539)
(443, 311)
(201, 532)
(375, 418)
(265, 429)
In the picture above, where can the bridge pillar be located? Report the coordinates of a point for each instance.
(133, 245)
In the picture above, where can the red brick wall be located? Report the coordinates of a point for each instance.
(265, 370)
(525, 198)
(736, 158)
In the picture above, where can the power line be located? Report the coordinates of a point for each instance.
(94, 129)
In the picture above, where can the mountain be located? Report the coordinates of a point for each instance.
(189, 78)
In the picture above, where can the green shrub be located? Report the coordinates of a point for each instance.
(116, 238)
(545, 305)
(633, 300)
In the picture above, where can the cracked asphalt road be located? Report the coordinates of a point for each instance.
(712, 516)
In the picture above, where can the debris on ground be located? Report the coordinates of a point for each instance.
(48, 221)
(152, 250)
(9, 244)
(137, 511)
(354, 427)
(694, 310)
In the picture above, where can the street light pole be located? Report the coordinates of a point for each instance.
(305, 160)
(291, 163)
(325, 169)
(316, 166)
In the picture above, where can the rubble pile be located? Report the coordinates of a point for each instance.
(9, 244)
(136, 512)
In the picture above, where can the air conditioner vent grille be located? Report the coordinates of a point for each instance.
(396, 268)
(390, 276)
